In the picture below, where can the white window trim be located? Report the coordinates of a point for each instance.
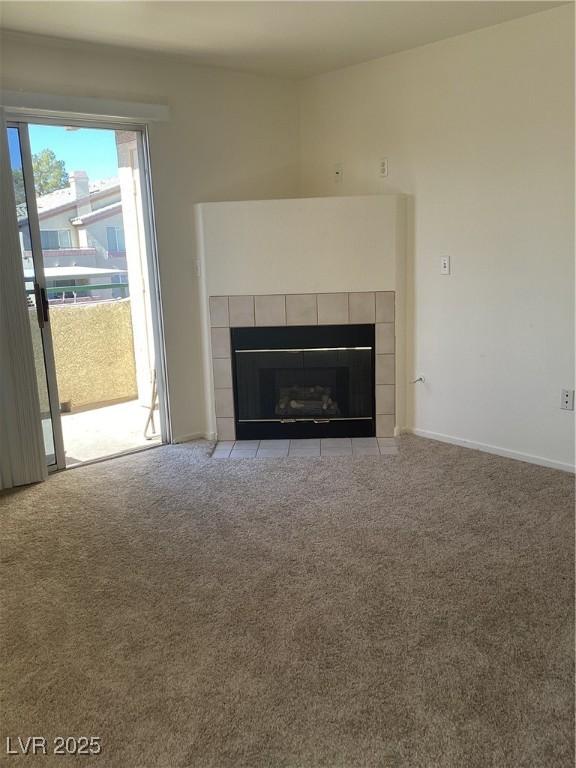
(49, 105)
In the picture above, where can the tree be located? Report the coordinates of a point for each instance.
(49, 172)
(18, 178)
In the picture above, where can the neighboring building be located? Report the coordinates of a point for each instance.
(80, 226)
(94, 244)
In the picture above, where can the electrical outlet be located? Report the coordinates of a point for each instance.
(338, 173)
(444, 265)
(567, 400)
(384, 167)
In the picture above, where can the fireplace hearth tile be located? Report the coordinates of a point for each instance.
(303, 442)
(301, 309)
(267, 453)
(219, 311)
(385, 399)
(384, 338)
(224, 402)
(385, 307)
(385, 369)
(226, 429)
(384, 426)
(275, 445)
(220, 342)
(336, 450)
(270, 310)
(241, 310)
(308, 451)
(312, 448)
(246, 445)
(364, 441)
(332, 308)
(222, 368)
(361, 307)
(336, 442)
(365, 446)
(336, 446)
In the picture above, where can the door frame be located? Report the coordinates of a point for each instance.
(40, 280)
(20, 120)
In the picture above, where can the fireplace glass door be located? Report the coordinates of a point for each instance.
(296, 389)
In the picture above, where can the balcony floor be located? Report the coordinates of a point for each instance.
(102, 432)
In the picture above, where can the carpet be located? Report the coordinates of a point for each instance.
(411, 611)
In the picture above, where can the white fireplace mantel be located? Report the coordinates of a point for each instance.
(295, 247)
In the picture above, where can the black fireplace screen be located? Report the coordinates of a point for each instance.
(303, 376)
(303, 384)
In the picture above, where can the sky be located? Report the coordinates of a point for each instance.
(14, 149)
(86, 149)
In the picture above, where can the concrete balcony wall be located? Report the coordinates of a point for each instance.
(94, 351)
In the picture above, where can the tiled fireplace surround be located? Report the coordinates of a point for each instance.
(303, 309)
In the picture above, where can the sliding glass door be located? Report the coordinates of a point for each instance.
(85, 225)
(36, 296)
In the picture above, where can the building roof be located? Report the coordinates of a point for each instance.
(63, 198)
(99, 213)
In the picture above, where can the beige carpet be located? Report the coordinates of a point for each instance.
(390, 612)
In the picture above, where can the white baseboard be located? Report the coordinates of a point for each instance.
(492, 449)
(188, 438)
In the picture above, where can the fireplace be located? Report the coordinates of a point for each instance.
(303, 381)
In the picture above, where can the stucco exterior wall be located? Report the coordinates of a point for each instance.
(92, 234)
(61, 220)
(97, 235)
(39, 363)
(94, 352)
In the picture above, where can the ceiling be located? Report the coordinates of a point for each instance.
(292, 39)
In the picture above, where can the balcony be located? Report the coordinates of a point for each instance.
(63, 254)
(106, 431)
(103, 412)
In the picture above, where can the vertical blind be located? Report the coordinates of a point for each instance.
(22, 458)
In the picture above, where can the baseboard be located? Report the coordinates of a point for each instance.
(492, 449)
(188, 438)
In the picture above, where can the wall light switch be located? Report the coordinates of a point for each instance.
(445, 265)
(567, 400)
(384, 167)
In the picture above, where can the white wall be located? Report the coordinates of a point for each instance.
(231, 136)
(478, 131)
(314, 245)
